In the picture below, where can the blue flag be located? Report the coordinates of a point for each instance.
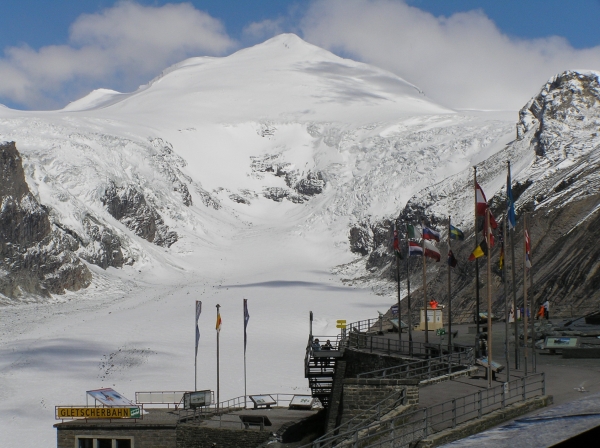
(198, 311)
(510, 204)
(456, 234)
(246, 319)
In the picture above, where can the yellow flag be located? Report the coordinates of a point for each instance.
(218, 326)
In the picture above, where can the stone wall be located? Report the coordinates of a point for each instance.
(361, 362)
(361, 395)
(193, 436)
(144, 437)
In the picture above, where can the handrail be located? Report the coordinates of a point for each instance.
(426, 368)
(232, 404)
(371, 343)
(413, 426)
(363, 420)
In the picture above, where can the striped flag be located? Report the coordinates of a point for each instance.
(479, 251)
(510, 204)
(431, 251)
(198, 311)
(414, 249)
(218, 325)
(527, 249)
(246, 319)
(430, 234)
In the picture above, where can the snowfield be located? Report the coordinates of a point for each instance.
(277, 149)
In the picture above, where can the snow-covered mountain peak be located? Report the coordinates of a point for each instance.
(283, 79)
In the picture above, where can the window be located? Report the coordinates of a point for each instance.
(102, 442)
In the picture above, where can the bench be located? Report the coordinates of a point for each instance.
(255, 420)
(496, 368)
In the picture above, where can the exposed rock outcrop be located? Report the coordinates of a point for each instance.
(559, 139)
(34, 259)
(129, 206)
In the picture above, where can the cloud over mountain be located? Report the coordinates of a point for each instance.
(124, 45)
(462, 60)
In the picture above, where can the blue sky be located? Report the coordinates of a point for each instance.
(57, 51)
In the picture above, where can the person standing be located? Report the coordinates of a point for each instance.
(546, 306)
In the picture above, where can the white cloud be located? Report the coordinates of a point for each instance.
(120, 47)
(463, 61)
(260, 31)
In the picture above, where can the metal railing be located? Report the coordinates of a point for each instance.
(413, 426)
(425, 368)
(362, 420)
(390, 346)
(161, 397)
(366, 326)
(233, 404)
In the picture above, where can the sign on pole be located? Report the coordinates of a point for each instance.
(341, 323)
(93, 413)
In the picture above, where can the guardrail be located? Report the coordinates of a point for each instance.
(362, 420)
(380, 344)
(233, 404)
(426, 368)
(409, 428)
(160, 397)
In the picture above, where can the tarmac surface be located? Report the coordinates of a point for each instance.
(563, 376)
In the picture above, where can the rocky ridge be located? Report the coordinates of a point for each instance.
(556, 180)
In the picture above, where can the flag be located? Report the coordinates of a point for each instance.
(456, 234)
(481, 200)
(397, 244)
(411, 232)
(510, 204)
(527, 249)
(452, 261)
(431, 251)
(479, 251)
(198, 311)
(246, 319)
(430, 234)
(414, 249)
(501, 240)
(218, 325)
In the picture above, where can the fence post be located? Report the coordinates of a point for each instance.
(389, 340)
(454, 412)
(426, 422)
(449, 363)
(393, 434)
(355, 439)
(543, 383)
(480, 411)
(504, 395)
(428, 367)
(524, 393)
(371, 344)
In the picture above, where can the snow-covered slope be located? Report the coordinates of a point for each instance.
(223, 178)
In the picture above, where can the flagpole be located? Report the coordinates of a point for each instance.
(425, 285)
(244, 302)
(525, 320)
(218, 332)
(449, 291)
(514, 283)
(477, 354)
(534, 360)
(396, 236)
(489, 296)
(198, 311)
(410, 344)
(506, 313)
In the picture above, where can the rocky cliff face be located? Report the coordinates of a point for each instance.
(557, 154)
(35, 257)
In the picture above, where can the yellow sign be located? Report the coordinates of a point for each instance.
(64, 413)
(341, 323)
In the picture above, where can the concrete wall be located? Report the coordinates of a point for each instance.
(193, 436)
(144, 437)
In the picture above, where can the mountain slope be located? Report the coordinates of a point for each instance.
(555, 166)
